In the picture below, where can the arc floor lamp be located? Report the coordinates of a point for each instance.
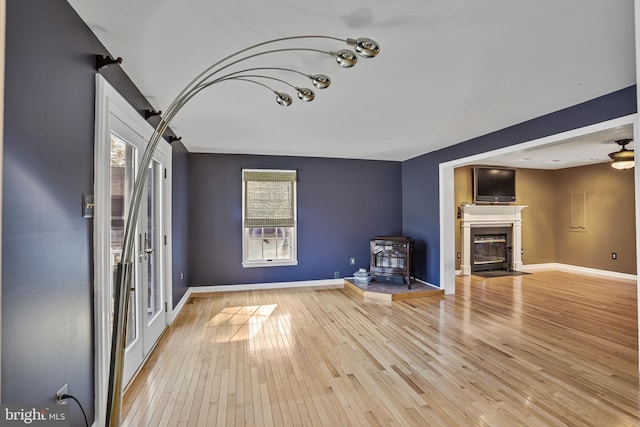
(347, 58)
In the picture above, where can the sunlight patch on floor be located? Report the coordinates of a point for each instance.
(239, 323)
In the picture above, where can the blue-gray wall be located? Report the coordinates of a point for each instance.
(341, 205)
(47, 259)
(420, 180)
(180, 220)
(47, 323)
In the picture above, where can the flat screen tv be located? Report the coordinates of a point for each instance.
(494, 185)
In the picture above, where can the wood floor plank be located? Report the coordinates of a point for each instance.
(552, 348)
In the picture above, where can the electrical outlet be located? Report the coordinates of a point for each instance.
(522, 251)
(614, 255)
(181, 276)
(458, 255)
(352, 261)
(336, 274)
(60, 393)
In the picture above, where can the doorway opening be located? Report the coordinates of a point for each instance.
(448, 225)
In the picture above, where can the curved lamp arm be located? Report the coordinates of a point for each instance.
(363, 47)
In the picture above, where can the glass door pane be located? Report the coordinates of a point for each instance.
(122, 178)
(153, 242)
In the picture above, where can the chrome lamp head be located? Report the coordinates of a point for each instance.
(365, 47)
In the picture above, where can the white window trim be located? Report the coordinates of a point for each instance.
(245, 250)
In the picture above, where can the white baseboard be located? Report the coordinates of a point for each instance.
(328, 283)
(575, 268)
(578, 269)
(171, 316)
(276, 285)
(426, 283)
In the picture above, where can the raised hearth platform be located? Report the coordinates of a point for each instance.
(388, 292)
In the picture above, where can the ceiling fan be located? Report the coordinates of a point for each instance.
(623, 159)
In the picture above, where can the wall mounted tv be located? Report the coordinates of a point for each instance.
(494, 185)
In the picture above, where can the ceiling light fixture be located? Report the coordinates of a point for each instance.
(345, 58)
(623, 159)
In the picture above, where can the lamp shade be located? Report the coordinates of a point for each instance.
(365, 47)
(346, 58)
(305, 94)
(283, 99)
(321, 81)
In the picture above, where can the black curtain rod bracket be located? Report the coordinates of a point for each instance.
(151, 113)
(105, 60)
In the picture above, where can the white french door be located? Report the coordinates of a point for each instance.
(146, 309)
(121, 136)
(151, 257)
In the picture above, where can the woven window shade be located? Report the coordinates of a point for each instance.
(269, 198)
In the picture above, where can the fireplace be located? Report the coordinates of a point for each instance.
(491, 249)
(391, 257)
(494, 221)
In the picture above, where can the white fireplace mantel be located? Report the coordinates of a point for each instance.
(472, 216)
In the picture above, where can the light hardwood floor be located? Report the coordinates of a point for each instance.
(546, 349)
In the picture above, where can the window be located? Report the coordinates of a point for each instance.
(268, 218)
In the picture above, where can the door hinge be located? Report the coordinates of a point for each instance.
(165, 173)
(166, 307)
(165, 240)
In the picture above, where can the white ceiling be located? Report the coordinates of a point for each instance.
(588, 149)
(448, 71)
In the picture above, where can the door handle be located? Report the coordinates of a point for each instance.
(148, 250)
